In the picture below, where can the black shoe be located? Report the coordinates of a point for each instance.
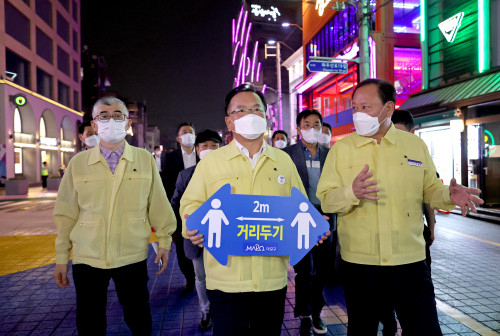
(306, 327)
(206, 322)
(319, 326)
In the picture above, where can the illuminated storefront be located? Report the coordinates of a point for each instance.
(457, 113)
(36, 129)
(395, 56)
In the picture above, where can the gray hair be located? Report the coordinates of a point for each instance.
(109, 100)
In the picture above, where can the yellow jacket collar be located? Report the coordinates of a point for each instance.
(390, 136)
(95, 154)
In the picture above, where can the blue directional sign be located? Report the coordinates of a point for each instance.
(234, 224)
(327, 66)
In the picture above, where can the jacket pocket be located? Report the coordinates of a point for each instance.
(135, 235)
(88, 238)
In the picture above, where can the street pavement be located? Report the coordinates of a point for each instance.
(465, 270)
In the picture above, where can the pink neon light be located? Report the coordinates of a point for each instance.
(240, 70)
(244, 54)
(235, 51)
(264, 87)
(236, 81)
(255, 48)
(258, 72)
(310, 81)
(238, 25)
(233, 30)
(248, 62)
(243, 26)
(373, 58)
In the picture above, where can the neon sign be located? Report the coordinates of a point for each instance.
(273, 12)
(245, 60)
(19, 100)
(449, 27)
(321, 5)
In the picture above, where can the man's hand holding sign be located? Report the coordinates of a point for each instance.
(235, 224)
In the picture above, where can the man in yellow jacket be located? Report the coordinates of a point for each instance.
(109, 198)
(247, 297)
(376, 180)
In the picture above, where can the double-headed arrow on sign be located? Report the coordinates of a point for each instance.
(235, 224)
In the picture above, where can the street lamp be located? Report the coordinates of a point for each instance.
(287, 24)
(271, 45)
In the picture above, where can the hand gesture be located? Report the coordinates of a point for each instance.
(360, 186)
(193, 237)
(163, 256)
(61, 275)
(464, 197)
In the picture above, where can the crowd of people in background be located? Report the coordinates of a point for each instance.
(373, 187)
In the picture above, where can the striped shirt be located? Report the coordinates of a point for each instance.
(112, 158)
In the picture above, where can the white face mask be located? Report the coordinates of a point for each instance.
(324, 139)
(250, 126)
(204, 152)
(280, 144)
(91, 141)
(311, 135)
(365, 124)
(158, 153)
(112, 131)
(188, 139)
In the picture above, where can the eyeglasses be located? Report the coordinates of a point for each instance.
(255, 110)
(107, 117)
(309, 126)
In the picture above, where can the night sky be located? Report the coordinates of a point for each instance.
(175, 54)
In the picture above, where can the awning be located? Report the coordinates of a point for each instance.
(487, 87)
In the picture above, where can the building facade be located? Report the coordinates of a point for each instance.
(331, 31)
(40, 95)
(458, 112)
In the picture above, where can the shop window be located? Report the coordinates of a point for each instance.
(43, 46)
(62, 93)
(44, 83)
(407, 72)
(406, 16)
(18, 124)
(62, 27)
(17, 25)
(18, 160)
(43, 128)
(18, 69)
(44, 10)
(62, 60)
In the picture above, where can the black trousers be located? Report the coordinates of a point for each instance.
(312, 275)
(247, 314)
(427, 238)
(91, 286)
(44, 181)
(371, 290)
(185, 264)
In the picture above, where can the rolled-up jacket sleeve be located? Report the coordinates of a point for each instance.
(160, 213)
(66, 212)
